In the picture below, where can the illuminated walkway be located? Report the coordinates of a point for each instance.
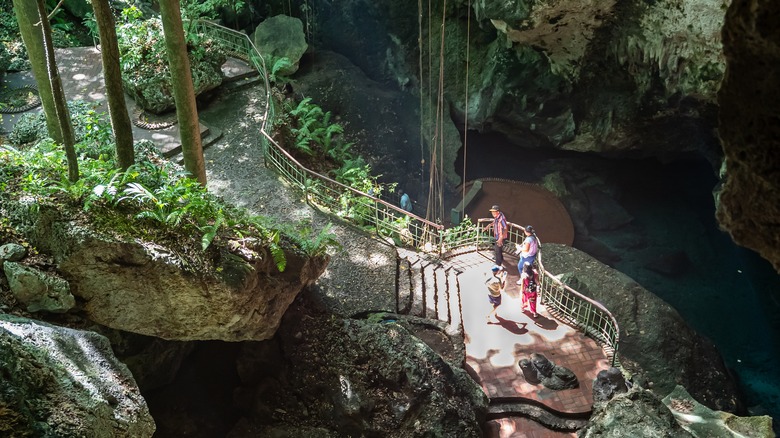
(494, 350)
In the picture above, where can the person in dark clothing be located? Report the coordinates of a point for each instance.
(500, 233)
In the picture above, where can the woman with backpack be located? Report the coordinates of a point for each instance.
(529, 278)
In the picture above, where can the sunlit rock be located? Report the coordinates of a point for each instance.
(66, 383)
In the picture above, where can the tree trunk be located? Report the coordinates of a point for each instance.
(60, 104)
(26, 17)
(112, 76)
(183, 90)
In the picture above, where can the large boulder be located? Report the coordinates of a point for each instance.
(749, 203)
(146, 288)
(66, 383)
(281, 37)
(637, 413)
(38, 290)
(146, 76)
(714, 424)
(657, 347)
(350, 377)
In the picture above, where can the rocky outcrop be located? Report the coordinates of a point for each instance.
(147, 288)
(38, 290)
(702, 421)
(629, 78)
(64, 382)
(637, 413)
(148, 81)
(281, 37)
(354, 378)
(749, 203)
(657, 347)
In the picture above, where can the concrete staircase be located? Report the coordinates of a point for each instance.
(428, 288)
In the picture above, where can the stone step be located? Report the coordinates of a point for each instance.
(429, 289)
(418, 289)
(453, 289)
(404, 287)
(442, 294)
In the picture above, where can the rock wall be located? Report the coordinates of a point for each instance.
(749, 203)
(656, 345)
(147, 288)
(64, 382)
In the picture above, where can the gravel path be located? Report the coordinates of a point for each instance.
(360, 276)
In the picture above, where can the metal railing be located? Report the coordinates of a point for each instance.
(408, 229)
(238, 43)
(565, 303)
(350, 204)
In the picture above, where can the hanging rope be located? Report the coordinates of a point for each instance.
(466, 110)
(436, 200)
(422, 107)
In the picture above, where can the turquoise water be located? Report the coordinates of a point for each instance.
(726, 293)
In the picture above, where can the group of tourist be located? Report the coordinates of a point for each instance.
(529, 275)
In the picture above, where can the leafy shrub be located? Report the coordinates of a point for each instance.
(143, 61)
(151, 200)
(88, 126)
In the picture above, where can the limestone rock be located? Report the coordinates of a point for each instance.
(637, 414)
(281, 37)
(38, 290)
(357, 378)
(607, 384)
(539, 369)
(749, 203)
(145, 288)
(64, 382)
(656, 344)
(150, 85)
(12, 252)
(702, 421)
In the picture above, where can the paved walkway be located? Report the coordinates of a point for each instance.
(494, 350)
(81, 71)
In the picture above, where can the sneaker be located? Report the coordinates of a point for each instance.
(520, 282)
(534, 315)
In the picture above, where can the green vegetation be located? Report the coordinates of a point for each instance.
(153, 200)
(145, 71)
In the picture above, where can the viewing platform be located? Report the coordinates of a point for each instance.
(494, 350)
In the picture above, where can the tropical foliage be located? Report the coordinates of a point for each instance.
(153, 200)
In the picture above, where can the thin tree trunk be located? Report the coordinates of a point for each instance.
(60, 104)
(112, 76)
(183, 90)
(26, 16)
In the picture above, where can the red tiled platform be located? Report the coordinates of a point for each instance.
(494, 350)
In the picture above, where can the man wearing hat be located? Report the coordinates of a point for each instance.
(500, 233)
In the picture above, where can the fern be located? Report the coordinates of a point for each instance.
(280, 64)
(210, 231)
(277, 252)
